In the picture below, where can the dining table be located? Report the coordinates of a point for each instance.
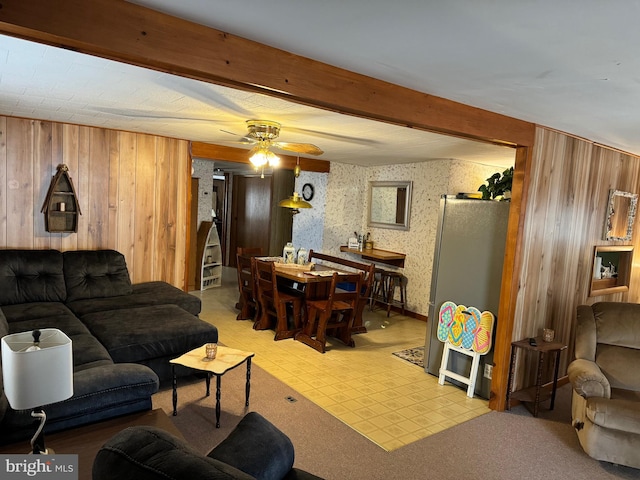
(314, 283)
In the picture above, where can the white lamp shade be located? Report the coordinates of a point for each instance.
(39, 377)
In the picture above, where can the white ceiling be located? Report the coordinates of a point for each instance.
(38, 81)
(561, 63)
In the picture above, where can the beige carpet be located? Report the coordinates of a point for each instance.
(510, 445)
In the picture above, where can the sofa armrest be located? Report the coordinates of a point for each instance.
(588, 380)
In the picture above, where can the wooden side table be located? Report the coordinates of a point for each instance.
(535, 394)
(226, 359)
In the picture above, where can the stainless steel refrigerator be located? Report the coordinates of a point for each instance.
(467, 270)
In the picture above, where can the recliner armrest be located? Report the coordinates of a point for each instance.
(588, 380)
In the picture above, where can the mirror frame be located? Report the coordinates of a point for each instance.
(633, 202)
(407, 205)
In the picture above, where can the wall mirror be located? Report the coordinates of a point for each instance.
(389, 205)
(621, 214)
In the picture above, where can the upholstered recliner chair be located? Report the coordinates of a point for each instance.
(605, 377)
(254, 450)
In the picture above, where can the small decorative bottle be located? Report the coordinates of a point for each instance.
(302, 256)
(288, 253)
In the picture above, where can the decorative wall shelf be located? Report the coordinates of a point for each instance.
(211, 256)
(621, 257)
(61, 207)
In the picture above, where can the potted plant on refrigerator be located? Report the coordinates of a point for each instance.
(498, 186)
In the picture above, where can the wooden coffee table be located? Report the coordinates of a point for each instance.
(226, 359)
(87, 440)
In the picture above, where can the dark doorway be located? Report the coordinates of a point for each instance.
(250, 214)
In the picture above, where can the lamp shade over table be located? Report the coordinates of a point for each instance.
(37, 373)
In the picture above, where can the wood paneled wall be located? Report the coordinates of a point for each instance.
(132, 188)
(566, 208)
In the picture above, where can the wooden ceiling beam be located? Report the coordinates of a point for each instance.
(122, 31)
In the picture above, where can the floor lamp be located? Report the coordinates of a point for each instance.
(37, 369)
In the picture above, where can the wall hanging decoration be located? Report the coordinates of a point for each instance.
(61, 207)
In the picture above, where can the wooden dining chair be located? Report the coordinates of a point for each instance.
(366, 288)
(249, 306)
(250, 251)
(335, 313)
(283, 307)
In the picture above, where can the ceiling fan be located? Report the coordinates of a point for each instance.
(262, 133)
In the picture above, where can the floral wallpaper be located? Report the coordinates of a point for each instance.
(308, 225)
(341, 209)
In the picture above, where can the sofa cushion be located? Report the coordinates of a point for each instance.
(31, 276)
(617, 323)
(615, 363)
(258, 448)
(95, 274)
(88, 352)
(143, 333)
(98, 393)
(152, 291)
(34, 310)
(149, 453)
(616, 414)
(143, 294)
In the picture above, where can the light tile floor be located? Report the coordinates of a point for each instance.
(388, 400)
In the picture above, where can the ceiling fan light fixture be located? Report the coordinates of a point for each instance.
(261, 156)
(263, 129)
(272, 159)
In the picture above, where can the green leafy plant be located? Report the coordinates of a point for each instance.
(497, 185)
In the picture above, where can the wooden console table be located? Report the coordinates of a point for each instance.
(383, 256)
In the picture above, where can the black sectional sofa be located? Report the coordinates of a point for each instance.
(123, 335)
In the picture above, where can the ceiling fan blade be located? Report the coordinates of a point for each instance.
(306, 148)
(151, 115)
(209, 94)
(335, 136)
(245, 140)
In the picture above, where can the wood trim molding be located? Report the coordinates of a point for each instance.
(130, 33)
(510, 279)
